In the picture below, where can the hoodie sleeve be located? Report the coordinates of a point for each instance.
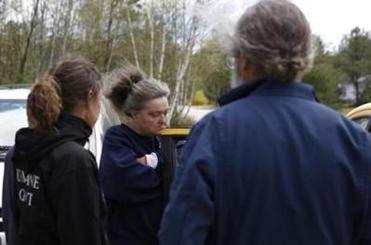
(77, 199)
(189, 215)
(8, 199)
(123, 178)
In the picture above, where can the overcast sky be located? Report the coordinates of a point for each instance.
(330, 19)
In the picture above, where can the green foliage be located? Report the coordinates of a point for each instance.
(366, 94)
(325, 76)
(325, 79)
(350, 64)
(210, 70)
(355, 52)
(354, 58)
(11, 46)
(99, 31)
(217, 84)
(179, 121)
(345, 110)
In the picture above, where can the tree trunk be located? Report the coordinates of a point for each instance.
(67, 24)
(41, 61)
(55, 29)
(52, 50)
(163, 49)
(183, 68)
(357, 89)
(109, 61)
(152, 32)
(28, 42)
(132, 38)
(110, 39)
(187, 105)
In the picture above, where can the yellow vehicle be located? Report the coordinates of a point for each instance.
(172, 140)
(361, 115)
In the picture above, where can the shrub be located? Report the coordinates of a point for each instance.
(199, 98)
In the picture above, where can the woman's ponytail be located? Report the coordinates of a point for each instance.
(44, 104)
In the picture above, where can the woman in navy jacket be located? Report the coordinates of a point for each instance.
(130, 160)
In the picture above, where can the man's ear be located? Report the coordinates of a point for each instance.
(245, 69)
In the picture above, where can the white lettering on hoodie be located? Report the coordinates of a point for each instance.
(30, 180)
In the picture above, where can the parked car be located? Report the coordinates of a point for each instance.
(362, 116)
(12, 117)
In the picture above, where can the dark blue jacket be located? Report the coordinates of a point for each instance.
(273, 166)
(132, 190)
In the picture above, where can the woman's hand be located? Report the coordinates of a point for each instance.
(150, 160)
(142, 160)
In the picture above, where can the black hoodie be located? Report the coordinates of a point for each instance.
(58, 198)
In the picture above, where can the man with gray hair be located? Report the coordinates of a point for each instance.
(272, 165)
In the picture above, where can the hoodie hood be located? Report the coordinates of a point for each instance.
(32, 145)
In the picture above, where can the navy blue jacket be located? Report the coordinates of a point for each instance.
(272, 166)
(132, 190)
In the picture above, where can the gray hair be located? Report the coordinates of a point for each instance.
(275, 38)
(130, 90)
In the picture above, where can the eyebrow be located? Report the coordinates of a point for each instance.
(159, 111)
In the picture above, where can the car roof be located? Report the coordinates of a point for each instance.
(14, 91)
(360, 111)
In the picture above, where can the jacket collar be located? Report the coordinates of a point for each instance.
(73, 128)
(271, 88)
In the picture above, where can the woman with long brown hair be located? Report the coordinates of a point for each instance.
(56, 192)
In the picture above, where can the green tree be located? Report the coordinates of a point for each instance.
(325, 76)
(210, 70)
(11, 38)
(354, 58)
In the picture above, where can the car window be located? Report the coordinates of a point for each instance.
(12, 104)
(12, 117)
(362, 121)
